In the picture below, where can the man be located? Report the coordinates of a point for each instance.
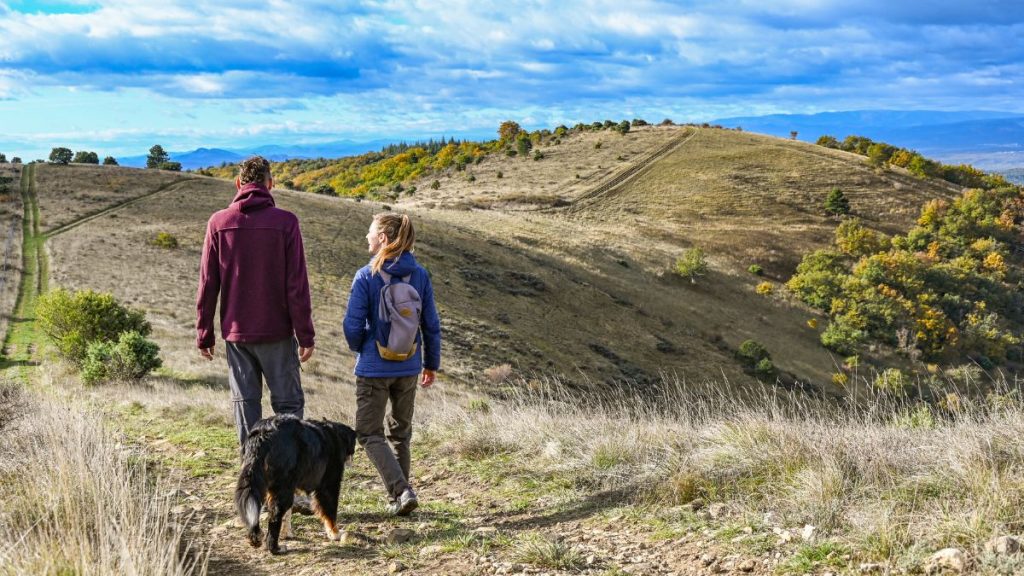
(253, 263)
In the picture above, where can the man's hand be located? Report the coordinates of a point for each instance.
(207, 352)
(305, 353)
(428, 379)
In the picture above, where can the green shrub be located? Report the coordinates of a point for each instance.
(435, 184)
(538, 155)
(692, 264)
(756, 270)
(842, 338)
(165, 240)
(891, 380)
(836, 204)
(752, 351)
(500, 174)
(471, 178)
(73, 321)
(765, 367)
(130, 359)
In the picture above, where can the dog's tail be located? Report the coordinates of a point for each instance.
(251, 488)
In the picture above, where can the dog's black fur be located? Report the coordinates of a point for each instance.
(283, 454)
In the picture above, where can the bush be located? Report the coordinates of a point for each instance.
(130, 359)
(597, 146)
(75, 320)
(752, 351)
(165, 240)
(836, 203)
(471, 178)
(436, 184)
(692, 264)
(765, 367)
(765, 288)
(842, 338)
(500, 174)
(756, 270)
(325, 189)
(538, 155)
(891, 380)
(110, 161)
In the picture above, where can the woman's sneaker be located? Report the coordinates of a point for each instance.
(405, 504)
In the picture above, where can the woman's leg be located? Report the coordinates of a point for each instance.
(371, 404)
(403, 398)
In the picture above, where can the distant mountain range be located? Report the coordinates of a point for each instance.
(205, 157)
(989, 140)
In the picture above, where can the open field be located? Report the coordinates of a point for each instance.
(624, 437)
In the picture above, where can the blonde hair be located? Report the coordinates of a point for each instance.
(397, 228)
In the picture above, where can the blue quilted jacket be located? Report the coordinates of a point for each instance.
(361, 321)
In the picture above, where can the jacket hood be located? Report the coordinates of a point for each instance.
(404, 266)
(252, 197)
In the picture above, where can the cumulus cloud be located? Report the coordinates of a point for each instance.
(417, 64)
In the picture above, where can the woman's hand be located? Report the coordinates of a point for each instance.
(428, 378)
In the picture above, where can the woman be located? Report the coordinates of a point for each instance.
(372, 325)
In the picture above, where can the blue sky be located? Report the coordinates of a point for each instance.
(118, 76)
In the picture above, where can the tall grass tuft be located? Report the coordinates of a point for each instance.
(78, 502)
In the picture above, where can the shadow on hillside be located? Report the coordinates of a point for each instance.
(232, 567)
(188, 381)
(585, 508)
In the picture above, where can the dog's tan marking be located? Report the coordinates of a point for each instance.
(329, 527)
(286, 524)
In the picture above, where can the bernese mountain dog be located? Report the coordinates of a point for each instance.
(285, 453)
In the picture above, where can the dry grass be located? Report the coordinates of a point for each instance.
(78, 502)
(67, 193)
(10, 246)
(865, 478)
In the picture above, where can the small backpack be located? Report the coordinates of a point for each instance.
(398, 318)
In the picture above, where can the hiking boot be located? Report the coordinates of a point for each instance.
(405, 503)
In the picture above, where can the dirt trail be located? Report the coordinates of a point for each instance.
(620, 179)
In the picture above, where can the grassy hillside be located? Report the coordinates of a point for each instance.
(727, 477)
(539, 269)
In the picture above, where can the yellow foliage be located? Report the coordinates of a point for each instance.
(764, 288)
(994, 262)
(840, 379)
(812, 323)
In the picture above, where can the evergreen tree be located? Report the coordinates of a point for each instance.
(837, 204)
(157, 157)
(110, 161)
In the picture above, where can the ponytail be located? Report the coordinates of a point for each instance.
(401, 237)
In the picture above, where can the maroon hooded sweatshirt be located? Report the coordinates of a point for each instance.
(254, 263)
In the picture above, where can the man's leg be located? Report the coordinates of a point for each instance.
(403, 396)
(246, 382)
(280, 363)
(371, 403)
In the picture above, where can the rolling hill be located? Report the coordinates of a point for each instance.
(554, 274)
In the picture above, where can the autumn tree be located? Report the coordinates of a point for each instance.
(508, 131)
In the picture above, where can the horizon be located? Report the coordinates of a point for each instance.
(116, 78)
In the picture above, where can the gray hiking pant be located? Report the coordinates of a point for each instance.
(372, 395)
(248, 364)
